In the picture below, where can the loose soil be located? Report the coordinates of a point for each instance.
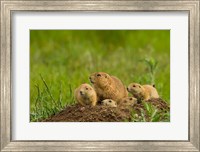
(99, 113)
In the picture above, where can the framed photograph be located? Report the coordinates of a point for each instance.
(100, 75)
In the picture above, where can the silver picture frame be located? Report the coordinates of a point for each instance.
(10, 6)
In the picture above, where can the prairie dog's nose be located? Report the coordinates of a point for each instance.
(81, 92)
(90, 78)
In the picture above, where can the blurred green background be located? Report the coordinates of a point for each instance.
(61, 60)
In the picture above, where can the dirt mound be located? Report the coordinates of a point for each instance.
(159, 104)
(78, 113)
(99, 113)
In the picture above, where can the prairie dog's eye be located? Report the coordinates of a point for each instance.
(105, 76)
(110, 101)
(86, 88)
(131, 98)
(134, 86)
(98, 75)
(139, 86)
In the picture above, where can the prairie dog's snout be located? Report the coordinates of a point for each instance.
(81, 92)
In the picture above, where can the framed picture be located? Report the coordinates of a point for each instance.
(100, 75)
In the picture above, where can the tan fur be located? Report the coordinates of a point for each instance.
(145, 91)
(128, 101)
(85, 95)
(108, 87)
(109, 102)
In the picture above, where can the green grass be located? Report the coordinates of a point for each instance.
(61, 60)
(152, 114)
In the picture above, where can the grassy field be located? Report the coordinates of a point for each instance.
(61, 60)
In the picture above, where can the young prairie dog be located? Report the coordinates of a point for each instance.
(109, 102)
(145, 91)
(85, 95)
(108, 87)
(128, 101)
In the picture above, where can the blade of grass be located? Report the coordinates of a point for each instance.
(38, 96)
(71, 94)
(60, 96)
(47, 88)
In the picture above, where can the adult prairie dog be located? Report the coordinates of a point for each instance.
(145, 91)
(108, 87)
(85, 95)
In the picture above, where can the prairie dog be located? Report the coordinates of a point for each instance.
(108, 87)
(145, 91)
(85, 95)
(109, 102)
(128, 101)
